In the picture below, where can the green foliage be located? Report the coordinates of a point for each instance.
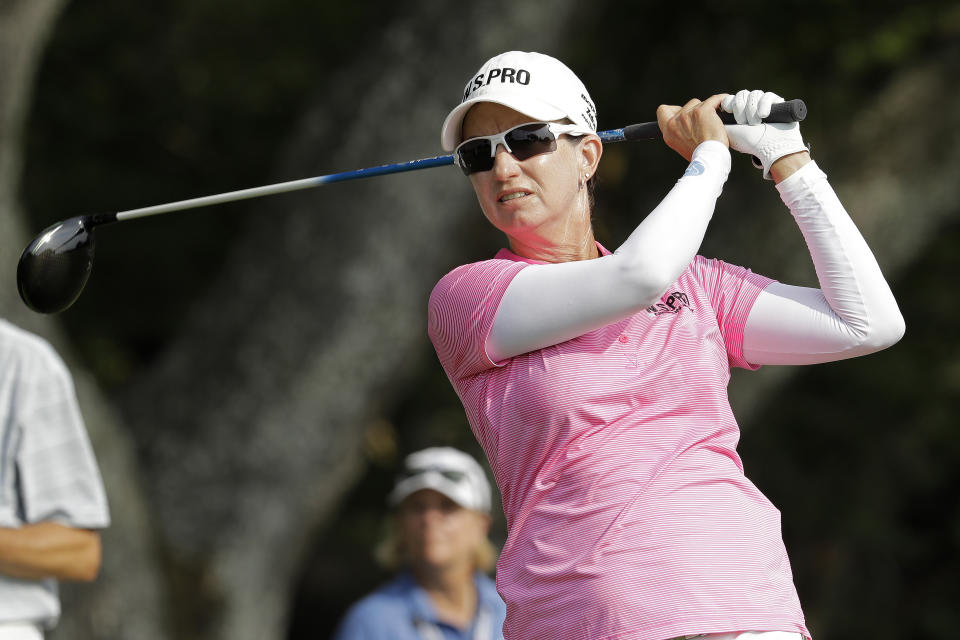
(140, 104)
(833, 54)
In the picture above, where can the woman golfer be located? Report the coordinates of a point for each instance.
(596, 381)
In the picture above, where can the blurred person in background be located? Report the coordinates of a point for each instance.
(52, 500)
(439, 543)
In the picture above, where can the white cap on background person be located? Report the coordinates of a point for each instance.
(533, 84)
(448, 471)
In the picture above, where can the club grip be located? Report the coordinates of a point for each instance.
(786, 111)
(642, 131)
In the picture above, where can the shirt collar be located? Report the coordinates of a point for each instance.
(422, 609)
(418, 600)
(506, 254)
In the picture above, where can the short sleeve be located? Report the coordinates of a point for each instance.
(732, 290)
(385, 614)
(56, 468)
(358, 624)
(461, 312)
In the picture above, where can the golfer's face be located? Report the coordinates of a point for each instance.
(522, 198)
(437, 532)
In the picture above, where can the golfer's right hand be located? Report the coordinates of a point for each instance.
(684, 128)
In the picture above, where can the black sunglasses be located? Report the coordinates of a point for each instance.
(449, 474)
(524, 141)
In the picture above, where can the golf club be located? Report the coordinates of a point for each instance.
(54, 268)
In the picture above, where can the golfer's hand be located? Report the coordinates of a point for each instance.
(684, 128)
(778, 149)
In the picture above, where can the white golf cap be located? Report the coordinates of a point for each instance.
(534, 84)
(446, 470)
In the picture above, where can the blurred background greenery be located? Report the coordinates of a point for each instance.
(143, 103)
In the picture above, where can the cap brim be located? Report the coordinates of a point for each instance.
(432, 481)
(533, 107)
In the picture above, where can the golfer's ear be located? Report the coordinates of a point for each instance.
(591, 148)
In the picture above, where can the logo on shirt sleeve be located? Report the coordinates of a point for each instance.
(695, 169)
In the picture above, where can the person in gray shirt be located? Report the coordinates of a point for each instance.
(52, 500)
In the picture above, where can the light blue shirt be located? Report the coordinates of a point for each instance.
(401, 610)
(48, 471)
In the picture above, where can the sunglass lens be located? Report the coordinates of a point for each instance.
(449, 474)
(475, 156)
(531, 140)
(524, 142)
(453, 476)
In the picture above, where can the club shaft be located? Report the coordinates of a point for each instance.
(614, 135)
(284, 187)
(783, 112)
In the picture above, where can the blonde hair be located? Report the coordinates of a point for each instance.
(391, 555)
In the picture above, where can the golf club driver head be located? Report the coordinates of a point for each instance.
(54, 268)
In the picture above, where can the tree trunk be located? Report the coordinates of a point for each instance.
(253, 421)
(124, 602)
(24, 27)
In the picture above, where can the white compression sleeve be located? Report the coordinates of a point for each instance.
(551, 303)
(853, 313)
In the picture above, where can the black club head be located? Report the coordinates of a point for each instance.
(55, 267)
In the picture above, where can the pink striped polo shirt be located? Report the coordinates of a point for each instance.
(628, 512)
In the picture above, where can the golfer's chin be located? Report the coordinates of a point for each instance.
(436, 559)
(517, 219)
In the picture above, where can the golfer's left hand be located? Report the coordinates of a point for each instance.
(766, 142)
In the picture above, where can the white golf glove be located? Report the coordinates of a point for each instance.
(766, 142)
